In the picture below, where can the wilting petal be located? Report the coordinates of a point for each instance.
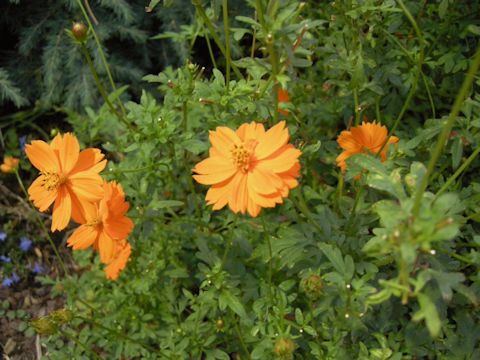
(42, 156)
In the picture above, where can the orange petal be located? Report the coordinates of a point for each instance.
(282, 160)
(87, 185)
(216, 178)
(90, 160)
(214, 164)
(42, 156)
(236, 196)
(62, 209)
(42, 199)
(83, 237)
(263, 181)
(106, 247)
(113, 269)
(118, 227)
(68, 152)
(274, 139)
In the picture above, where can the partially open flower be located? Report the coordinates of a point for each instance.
(69, 177)
(250, 168)
(282, 98)
(9, 164)
(368, 137)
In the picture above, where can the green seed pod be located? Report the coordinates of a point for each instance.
(79, 31)
(312, 286)
(284, 348)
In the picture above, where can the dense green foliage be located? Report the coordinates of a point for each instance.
(373, 268)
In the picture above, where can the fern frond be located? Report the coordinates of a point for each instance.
(9, 92)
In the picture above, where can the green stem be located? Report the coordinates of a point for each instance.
(226, 28)
(274, 63)
(413, 88)
(240, 338)
(457, 173)
(303, 207)
(210, 51)
(214, 35)
(462, 94)
(354, 209)
(100, 87)
(229, 244)
(270, 259)
(357, 106)
(377, 111)
(101, 52)
(40, 222)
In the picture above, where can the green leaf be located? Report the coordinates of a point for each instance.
(428, 311)
(161, 204)
(233, 302)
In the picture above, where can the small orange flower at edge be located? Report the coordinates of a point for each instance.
(105, 227)
(367, 137)
(68, 177)
(249, 168)
(282, 95)
(9, 164)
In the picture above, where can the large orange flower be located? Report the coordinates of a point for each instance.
(249, 168)
(105, 225)
(367, 137)
(68, 177)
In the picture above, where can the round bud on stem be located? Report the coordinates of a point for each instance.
(312, 286)
(79, 31)
(284, 348)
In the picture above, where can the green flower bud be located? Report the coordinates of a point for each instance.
(312, 286)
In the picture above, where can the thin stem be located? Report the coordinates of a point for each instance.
(354, 208)
(210, 51)
(40, 222)
(100, 87)
(457, 173)
(274, 63)
(240, 338)
(100, 51)
(357, 106)
(303, 207)
(226, 30)
(214, 35)
(229, 244)
(462, 94)
(377, 111)
(270, 259)
(413, 88)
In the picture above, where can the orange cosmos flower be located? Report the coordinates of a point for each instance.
(367, 137)
(282, 96)
(119, 262)
(105, 225)
(68, 177)
(249, 168)
(9, 164)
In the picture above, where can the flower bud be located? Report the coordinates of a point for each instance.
(284, 348)
(79, 31)
(44, 326)
(61, 317)
(219, 324)
(312, 286)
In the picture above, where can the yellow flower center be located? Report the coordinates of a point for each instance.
(242, 155)
(52, 181)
